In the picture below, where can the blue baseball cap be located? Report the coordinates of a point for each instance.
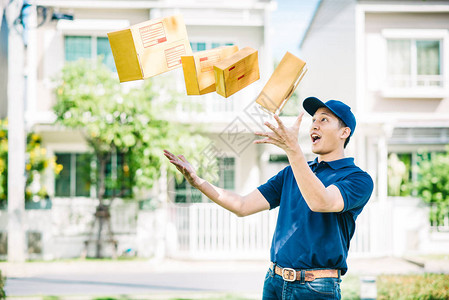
(341, 110)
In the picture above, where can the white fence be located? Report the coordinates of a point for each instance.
(396, 226)
(209, 231)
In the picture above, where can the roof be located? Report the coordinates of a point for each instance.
(310, 23)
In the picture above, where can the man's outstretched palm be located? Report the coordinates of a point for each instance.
(183, 166)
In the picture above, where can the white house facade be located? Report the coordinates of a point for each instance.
(389, 61)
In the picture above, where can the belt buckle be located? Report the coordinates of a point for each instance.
(288, 274)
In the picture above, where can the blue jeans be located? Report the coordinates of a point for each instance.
(322, 288)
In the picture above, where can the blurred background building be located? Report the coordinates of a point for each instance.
(389, 60)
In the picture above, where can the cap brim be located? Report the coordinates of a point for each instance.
(312, 104)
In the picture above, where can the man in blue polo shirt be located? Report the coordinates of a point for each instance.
(318, 201)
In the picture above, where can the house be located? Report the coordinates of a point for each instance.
(53, 39)
(389, 60)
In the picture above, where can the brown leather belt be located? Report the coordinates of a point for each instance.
(289, 274)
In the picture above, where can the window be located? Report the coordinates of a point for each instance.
(201, 46)
(118, 177)
(77, 47)
(278, 158)
(226, 172)
(414, 63)
(75, 179)
(185, 193)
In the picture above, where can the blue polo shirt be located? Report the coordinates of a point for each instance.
(304, 239)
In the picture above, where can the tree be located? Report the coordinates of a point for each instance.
(433, 186)
(126, 122)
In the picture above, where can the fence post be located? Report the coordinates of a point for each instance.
(368, 289)
(193, 229)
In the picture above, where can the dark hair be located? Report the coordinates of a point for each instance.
(343, 124)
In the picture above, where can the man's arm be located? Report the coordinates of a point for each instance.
(318, 197)
(240, 205)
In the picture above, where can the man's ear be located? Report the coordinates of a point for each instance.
(345, 133)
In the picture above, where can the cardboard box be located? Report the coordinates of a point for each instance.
(199, 69)
(236, 72)
(149, 48)
(282, 83)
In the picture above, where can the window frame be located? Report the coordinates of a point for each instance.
(414, 35)
(73, 175)
(93, 47)
(113, 165)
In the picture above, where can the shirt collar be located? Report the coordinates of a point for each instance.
(335, 164)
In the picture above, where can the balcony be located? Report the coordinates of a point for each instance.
(420, 86)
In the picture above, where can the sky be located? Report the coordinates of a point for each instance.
(289, 23)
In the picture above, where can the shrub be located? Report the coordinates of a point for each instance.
(2, 285)
(433, 185)
(427, 286)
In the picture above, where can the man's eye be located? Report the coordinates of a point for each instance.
(323, 119)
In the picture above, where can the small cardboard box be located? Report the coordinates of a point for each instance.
(149, 48)
(282, 83)
(199, 69)
(236, 72)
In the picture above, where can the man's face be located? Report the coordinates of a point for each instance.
(326, 134)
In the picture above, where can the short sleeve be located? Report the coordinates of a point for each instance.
(356, 190)
(272, 189)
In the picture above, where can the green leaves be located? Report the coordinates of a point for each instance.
(433, 186)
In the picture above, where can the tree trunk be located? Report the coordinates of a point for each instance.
(102, 211)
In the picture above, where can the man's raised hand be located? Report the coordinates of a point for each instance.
(282, 136)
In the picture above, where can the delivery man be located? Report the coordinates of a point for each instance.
(318, 202)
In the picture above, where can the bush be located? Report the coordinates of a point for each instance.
(2, 285)
(427, 286)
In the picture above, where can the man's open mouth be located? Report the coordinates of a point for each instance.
(315, 138)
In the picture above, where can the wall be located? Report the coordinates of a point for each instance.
(376, 100)
(329, 50)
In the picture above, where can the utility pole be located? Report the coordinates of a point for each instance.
(16, 139)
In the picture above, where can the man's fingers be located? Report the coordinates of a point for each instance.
(169, 155)
(176, 163)
(181, 168)
(271, 126)
(268, 141)
(261, 133)
(299, 120)
(278, 120)
(181, 157)
(262, 141)
(268, 135)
